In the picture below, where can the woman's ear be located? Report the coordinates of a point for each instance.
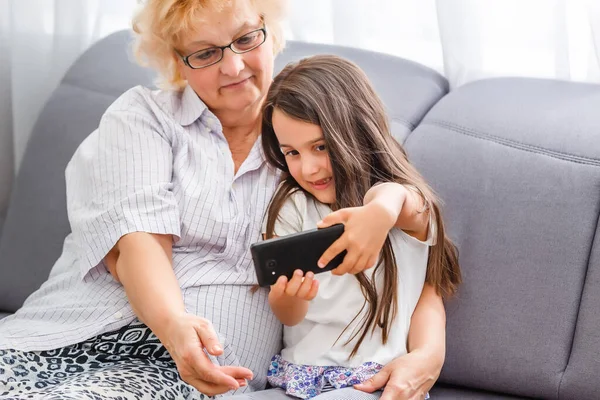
(182, 69)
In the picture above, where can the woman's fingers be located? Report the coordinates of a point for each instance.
(204, 375)
(207, 388)
(208, 337)
(239, 373)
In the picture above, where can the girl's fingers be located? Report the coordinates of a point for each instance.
(306, 285)
(361, 265)
(347, 265)
(279, 287)
(294, 283)
(313, 290)
(336, 248)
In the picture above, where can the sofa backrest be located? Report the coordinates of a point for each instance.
(36, 223)
(580, 379)
(517, 162)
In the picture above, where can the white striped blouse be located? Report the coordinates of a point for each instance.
(158, 163)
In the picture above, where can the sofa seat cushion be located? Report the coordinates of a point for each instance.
(442, 392)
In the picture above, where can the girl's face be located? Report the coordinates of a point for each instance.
(303, 146)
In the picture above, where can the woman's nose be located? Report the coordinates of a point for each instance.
(232, 64)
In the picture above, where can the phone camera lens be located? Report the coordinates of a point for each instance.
(271, 264)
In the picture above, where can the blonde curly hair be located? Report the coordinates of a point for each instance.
(161, 25)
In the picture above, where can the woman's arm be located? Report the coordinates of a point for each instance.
(412, 375)
(142, 263)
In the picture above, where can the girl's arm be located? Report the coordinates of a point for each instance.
(386, 205)
(404, 204)
(289, 300)
(427, 332)
(414, 374)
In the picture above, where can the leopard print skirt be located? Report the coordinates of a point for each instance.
(130, 363)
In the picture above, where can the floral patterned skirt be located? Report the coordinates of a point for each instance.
(308, 381)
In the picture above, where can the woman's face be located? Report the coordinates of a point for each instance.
(303, 147)
(238, 81)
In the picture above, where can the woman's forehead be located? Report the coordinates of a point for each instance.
(218, 26)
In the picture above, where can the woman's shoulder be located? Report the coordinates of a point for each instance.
(165, 106)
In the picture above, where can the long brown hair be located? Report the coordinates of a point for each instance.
(336, 95)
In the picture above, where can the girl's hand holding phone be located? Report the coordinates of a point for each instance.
(301, 286)
(289, 299)
(366, 229)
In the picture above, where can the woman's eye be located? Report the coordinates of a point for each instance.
(205, 55)
(321, 147)
(247, 39)
(290, 153)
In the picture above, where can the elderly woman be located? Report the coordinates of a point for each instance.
(151, 296)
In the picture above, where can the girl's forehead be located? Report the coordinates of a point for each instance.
(292, 132)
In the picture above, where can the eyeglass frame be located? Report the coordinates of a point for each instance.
(222, 48)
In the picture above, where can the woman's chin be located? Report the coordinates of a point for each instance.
(242, 101)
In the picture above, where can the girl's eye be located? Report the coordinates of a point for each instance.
(290, 153)
(321, 147)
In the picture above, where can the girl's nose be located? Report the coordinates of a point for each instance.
(310, 166)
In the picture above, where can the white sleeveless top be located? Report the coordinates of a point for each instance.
(314, 341)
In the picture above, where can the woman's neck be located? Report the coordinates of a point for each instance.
(240, 138)
(241, 128)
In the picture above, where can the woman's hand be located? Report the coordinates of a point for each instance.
(408, 377)
(365, 231)
(186, 336)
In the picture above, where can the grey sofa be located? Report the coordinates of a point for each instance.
(517, 162)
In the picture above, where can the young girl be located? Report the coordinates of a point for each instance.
(327, 130)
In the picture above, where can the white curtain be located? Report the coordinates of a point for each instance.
(465, 40)
(39, 40)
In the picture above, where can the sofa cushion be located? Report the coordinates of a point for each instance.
(407, 89)
(443, 392)
(581, 377)
(36, 223)
(517, 162)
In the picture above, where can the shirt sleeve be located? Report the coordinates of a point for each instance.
(291, 216)
(431, 239)
(120, 181)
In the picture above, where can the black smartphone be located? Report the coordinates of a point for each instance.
(283, 255)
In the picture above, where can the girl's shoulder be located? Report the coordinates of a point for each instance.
(299, 212)
(400, 237)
